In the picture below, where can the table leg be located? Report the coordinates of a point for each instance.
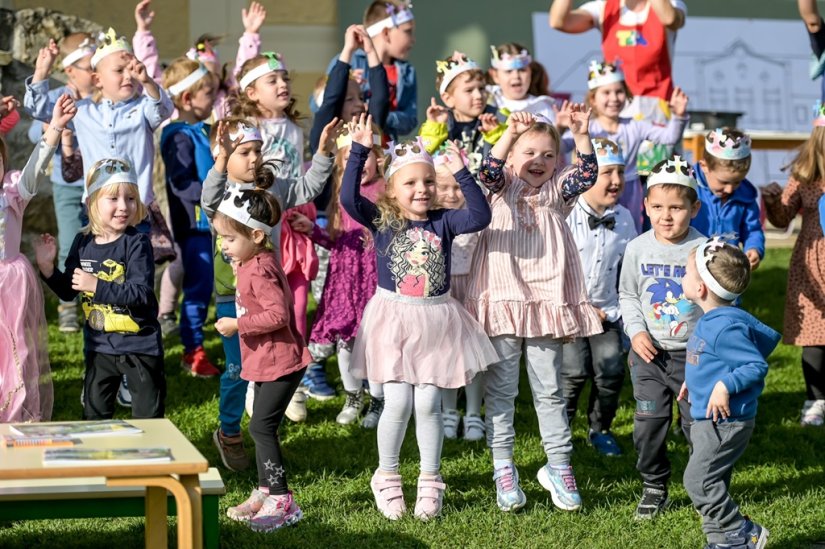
(156, 512)
(193, 487)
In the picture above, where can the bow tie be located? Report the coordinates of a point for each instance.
(609, 221)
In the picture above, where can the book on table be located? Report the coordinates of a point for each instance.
(29, 441)
(108, 427)
(106, 456)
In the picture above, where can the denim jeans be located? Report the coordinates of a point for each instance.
(232, 387)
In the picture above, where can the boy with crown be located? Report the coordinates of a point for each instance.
(724, 376)
(658, 319)
(730, 203)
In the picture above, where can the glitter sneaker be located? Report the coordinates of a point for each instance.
(509, 495)
(560, 482)
(276, 512)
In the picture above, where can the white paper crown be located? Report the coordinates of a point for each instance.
(819, 114)
(235, 204)
(110, 172)
(452, 67)
(203, 52)
(601, 74)
(406, 153)
(510, 61)
(84, 49)
(721, 144)
(344, 138)
(705, 254)
(274, 62)
(396, 16)
(246, 132)
(189, 81)
(608, 153)
(673, 171)
(108, 43)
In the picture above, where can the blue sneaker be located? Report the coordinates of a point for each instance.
(749, 536)
(314, 383)
(560, 482)
(509, 495)
(605, 443)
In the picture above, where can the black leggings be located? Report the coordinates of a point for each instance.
(271, 400)
(813, 369)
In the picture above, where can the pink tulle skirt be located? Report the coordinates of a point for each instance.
(419, 340)
(25, 378)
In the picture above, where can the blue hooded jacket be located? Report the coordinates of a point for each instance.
(728, 345)
(739, 214)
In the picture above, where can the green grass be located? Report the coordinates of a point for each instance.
(779, 481)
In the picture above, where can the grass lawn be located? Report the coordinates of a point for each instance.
(779, 481)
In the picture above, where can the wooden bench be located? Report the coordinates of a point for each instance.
(89, 497)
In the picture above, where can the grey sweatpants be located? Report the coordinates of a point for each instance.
(543, 356)
(716, 447)
(399, 401)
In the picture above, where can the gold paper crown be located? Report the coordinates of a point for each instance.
(452, 67)
(108, 43)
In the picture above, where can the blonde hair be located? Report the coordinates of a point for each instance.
(591, 95)
(95, 226)
(809, 165)
(731, 269)
(334, 223)
(179, 69)
(543, 128)
(245, 107)
(390, 215)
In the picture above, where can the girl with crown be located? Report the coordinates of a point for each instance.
(528, 292)
(511, 70)
(272, 349)
(805, 299)
(413, 336)
(25, 380)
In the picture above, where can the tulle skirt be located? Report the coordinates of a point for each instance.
(429, 340)
(25, 378)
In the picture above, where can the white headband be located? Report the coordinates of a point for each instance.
(702, 261)
(394, 19)
(85, 49)
(246, 132)
(229, 208)
(274, 63)
(111, 172)
(189, 81)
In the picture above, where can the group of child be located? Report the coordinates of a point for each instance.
(450, 257)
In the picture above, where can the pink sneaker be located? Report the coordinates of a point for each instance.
(430, 495)
(388, 495)
(249, 508)
(276, 512)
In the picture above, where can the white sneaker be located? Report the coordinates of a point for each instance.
(473, 427)
(450, 418)
(296, 410)
(124, 397)
(250, 398)
(353, 406)
(813, 413)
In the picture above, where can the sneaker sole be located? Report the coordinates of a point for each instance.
(763, 538)
(376, 494)
(322, 398)
(222, 455)
(66, 330)
(292, 519)
(547, 484)
(655, 514)
(514, 507)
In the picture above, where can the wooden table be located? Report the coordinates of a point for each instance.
(694, 140)
(179, 476)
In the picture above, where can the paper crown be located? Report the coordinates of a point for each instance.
(608, 153)
(819, 114)
(203, 52)
(601, 74)
(406, 153)
(84, 49)
(274, 62)
(721, 144)
(344, 138)
(510, 61)
(452, 67)
(108, 43)
(396, 16)
(189, 81)
(705, 254)
(236, 204)
(246, 132)
(673, 171)
(110, 172)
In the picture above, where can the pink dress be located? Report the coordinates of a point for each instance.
(25, 378)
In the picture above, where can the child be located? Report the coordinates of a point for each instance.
(449, 196)
(608, 94)
(730, 203)
(413, 337)
(184, 145)
(77, 50)
(111, 266)
(104, 124)
(467, 118)
(390, 24)
(806, 281)
(351, 281)
(26, 392)
(272, 348)
(658, 320)
(512, 76)
(528, 292)
(724, 376)
(601, 229)
(239, 162)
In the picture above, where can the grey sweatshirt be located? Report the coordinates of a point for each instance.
(650, 290)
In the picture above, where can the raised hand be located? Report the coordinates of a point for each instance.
(519, 122)
(253, 17)
(64, 111)
(437, 113)
(579, 117)
(326, 143)
(144, 15)
(45, 60)
(45, 252)
(352, 41)
(562, 115)
(137, 70)
(226, 145)
(488, 121)
(455, 161)
(83, 281)
(8, 105)
(678, 102)
(366, 40)
(361, 130)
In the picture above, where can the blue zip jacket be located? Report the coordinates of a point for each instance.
(728, 345)
(739, 214)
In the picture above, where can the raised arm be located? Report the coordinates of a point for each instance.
(782, 205)
(335, 90)
(671, 17)
(143, 43)
(37, 100)
(404, 119)
(477, 215)
(308, 186)
(249, 44)
(564, 18)
(45, 251)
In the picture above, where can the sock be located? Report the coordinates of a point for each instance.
(263, 489)
(499, 463)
